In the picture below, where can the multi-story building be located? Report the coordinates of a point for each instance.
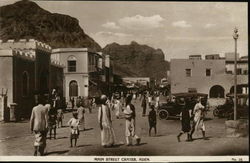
(27, 69)
(212, 75)
(86, 73)
(131, 81)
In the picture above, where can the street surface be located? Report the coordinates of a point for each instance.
(16, 139)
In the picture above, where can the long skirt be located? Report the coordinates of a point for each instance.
(40, 138)
(82, 122)
(130, 127)
(107, 135)
(199, 123)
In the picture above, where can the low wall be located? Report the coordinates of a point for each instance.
(238, 128)
(214, 102)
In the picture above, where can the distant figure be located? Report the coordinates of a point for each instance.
(52, 122)
(81, 112)
(199, 115)
(39, 125)
(74, 125)
(144, 105)
(185, 120)
(105, 122)
(157, 100)
(134, 96)
(87, 104)
(93, 103)
(149, 100)
(152, 120)
(79, 101)
(117, 107)
(129, 112)
(60, 117)
(72, 100)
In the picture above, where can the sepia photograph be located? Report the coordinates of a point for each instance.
(124, 81)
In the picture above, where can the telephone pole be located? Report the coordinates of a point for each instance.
(235, 36)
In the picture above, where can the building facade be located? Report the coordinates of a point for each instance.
(132, 81)
(212, 76)
(86, 73)
(26, 69)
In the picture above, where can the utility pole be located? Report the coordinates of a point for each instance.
(235, 36)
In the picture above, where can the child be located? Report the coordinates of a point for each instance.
(59, 117)
(152, 119)
(52, 122)
(74, 125)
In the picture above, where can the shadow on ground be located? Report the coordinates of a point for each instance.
(56, 152)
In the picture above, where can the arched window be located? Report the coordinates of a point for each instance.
(72, 64)
(217, 91)
(25, 84)
(73, 88)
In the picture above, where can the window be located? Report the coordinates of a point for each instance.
(188, 72)
(25, 84)
(208, 72)
(73, 88)
(71, 64)
(245, 72)
(239, 71)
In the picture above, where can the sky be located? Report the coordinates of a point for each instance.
(180, 29)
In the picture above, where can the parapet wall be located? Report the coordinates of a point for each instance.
(56, 63)
(30, 55)
(26, 49)
(24, 44)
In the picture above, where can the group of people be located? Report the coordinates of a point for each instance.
(105, 121)
(192, 119)
(86, 101)
(48, 115)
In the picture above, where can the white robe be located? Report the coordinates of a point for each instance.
(107, 132)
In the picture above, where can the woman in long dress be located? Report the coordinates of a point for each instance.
(117, 107)
(198, 122)
(81, 118)
(129, 112)
(185, 120)
(104, 119)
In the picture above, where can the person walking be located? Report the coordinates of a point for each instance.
(198, 122)
(152, 120)
(60, 117)
(129, 112)
(93, 103)
(157, 100)
(72, 100)
(105, 123)
(185, 116)
(81, 118)
(39, 125)
(144, 105)
(149, 100)
(117, 107)
(74, 126)
(52, 121)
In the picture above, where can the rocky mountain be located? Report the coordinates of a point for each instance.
(25, 19)
(137, 60)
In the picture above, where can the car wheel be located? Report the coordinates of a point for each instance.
(163, 114)
(216, 112)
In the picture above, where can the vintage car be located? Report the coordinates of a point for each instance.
(227, 110)
(170, 109)
(224, 110)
